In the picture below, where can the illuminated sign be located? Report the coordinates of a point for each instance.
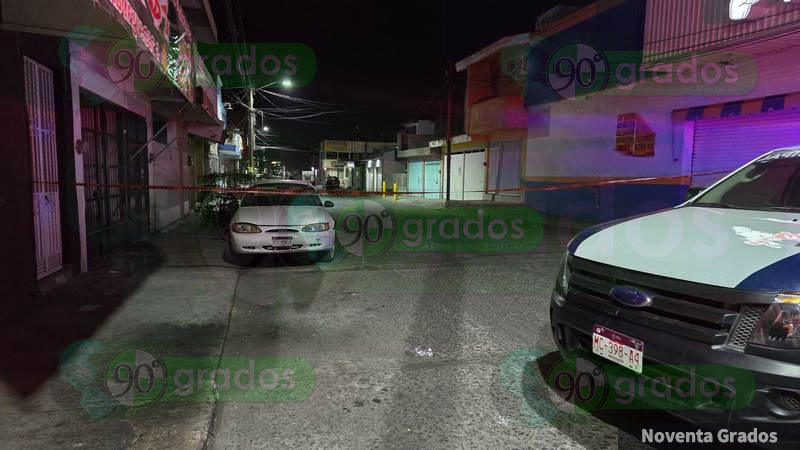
(158, 8)
(741, 9)
(140, 31)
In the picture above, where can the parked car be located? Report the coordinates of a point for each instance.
(714, 281)
(332, 183)
(283, 216)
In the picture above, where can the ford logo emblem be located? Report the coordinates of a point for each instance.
(631, 296)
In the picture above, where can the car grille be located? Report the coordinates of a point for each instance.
(709, 314)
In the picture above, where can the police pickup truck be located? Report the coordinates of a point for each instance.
(714, 281)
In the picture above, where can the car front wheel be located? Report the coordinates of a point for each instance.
(327, 256)
(237, 259)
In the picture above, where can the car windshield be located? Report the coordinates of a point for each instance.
(281, 199)
(769, 183)
(285, 194)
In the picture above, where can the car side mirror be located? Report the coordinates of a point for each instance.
(328, 204)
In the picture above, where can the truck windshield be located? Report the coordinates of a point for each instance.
(769, 183)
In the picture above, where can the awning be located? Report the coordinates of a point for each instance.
(417, 152)
(229, 151)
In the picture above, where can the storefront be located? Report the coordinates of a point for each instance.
(114, 161)
(467, 168)
(97, 133)
(721, 144)
(230, 154)
(424, 171)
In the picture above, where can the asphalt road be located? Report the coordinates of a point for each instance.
(407, 350)
(429, 349)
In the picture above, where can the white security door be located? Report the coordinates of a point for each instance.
(474, 175)
(415, 177)
(433, 177)
(40, 103)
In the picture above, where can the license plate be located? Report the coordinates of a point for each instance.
(617, 347)
(281, 242)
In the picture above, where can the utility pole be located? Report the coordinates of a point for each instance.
(449, 126)
(252, 131)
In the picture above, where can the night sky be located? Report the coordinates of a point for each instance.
(382, 62)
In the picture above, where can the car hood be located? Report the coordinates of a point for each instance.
(723, 247)
(282, 215)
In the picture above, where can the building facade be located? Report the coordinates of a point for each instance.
(348, 160)
(418, 166)
(689, 93)
(101, 103)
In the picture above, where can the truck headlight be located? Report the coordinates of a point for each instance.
(317, 227)
(564, 274)
(780, 324)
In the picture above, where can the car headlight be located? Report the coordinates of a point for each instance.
(241, 227)
(317, 227)
(780, 324)
(564, 274)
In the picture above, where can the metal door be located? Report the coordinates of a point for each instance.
(474, 175)
(370, 179)
(433, 176)
(457, 176)
(415, 180)
(117, 209)
(40, 105)
(137, 200)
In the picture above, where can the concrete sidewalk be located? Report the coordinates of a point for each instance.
(171, 295)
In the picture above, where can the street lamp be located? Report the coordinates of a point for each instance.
(266, 128)
(287, 83)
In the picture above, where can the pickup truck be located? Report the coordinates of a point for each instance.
(714, 281)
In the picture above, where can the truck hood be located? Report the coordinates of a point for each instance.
(744, 249)
(282, 215)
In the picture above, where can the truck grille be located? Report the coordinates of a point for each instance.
(696, 311)
(743, 331)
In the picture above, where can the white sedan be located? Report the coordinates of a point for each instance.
(284, 216)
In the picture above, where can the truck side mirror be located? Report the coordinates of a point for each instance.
(692, 192)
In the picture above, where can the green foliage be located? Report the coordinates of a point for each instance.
(216, 208)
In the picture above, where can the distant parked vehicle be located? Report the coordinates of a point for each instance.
(332, 184)
(285, 216)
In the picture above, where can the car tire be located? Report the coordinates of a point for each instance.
(237, 259)
(327, 256)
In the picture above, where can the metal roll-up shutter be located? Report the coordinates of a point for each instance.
(726, 144)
